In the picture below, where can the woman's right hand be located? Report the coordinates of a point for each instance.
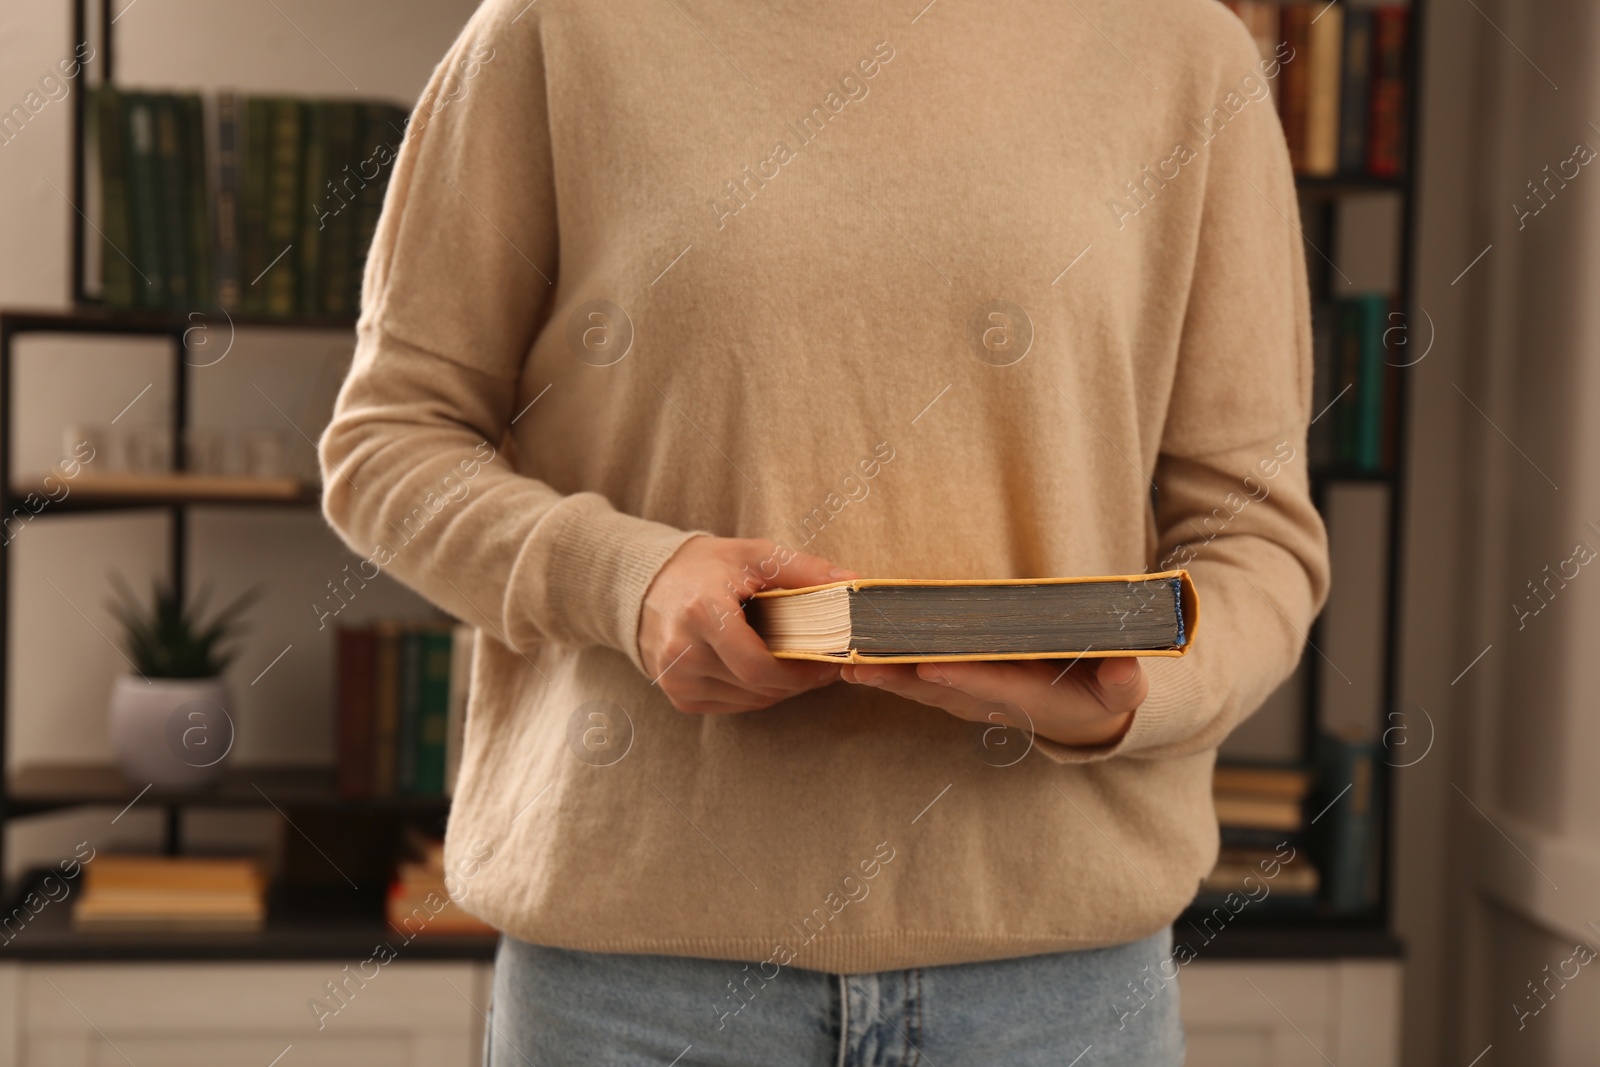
(693, 637)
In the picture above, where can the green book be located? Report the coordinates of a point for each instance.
(408, 732)
(434, 712)
(336, 206)
(1346, 412)
(117, 278)
(283, 209)
(1345, 838)
(198, 192)
(313, 167)
(143, 203)
(382, 131)
(254, 168)
(173, 194)
(226, 273)
(1372, 381)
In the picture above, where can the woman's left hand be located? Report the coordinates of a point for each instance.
(1076, 702)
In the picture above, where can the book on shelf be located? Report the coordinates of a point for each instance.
(1324, 66)
(1347, 837)
(1386, 140)
(1341, 87)
(923, 621)
(171, 893)
(418, 902)
(1355, 385)
(401, 698)
(1261, 814)
(264, 206)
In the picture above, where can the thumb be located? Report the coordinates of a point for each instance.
(801, 569)
(1123, 684)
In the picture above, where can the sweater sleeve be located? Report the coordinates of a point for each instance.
(456, 288)
(1232, 480)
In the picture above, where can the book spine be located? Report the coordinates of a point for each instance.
(255, 166)
(197, 189)
(1345, 841)
(1387, 118)
(116, 272)
(283, 209)
(336, 206)
(385, 710)
(462, 641)
(1371, 378)
(142, 199)
(356, 666)
(1324, 376)
(173, 200)
(1295, 81)
(1325, 40)
(1346, 410)
(227, 215)
(408, 733)
(433, 711)
(313, 173)
(1354, 84)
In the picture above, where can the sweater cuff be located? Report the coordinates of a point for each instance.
(601, 563)
(1177, 692)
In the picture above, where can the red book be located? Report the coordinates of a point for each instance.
(1386, 124)
(357, 653)
(1294, 84)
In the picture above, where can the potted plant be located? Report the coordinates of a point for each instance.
(170, 722)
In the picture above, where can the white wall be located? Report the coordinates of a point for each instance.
(61, 667)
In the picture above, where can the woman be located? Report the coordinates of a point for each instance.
(673, 301)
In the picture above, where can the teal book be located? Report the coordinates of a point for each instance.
(143, 201)
(117, 278)
(433, 712)
(313, 176)
(255, 166)
(408, 731)
(1345, 836)
(1353, 82)
(173, 198)
(1372, 380)
(197, 191)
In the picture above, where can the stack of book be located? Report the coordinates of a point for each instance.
(260, 205)
(402, 702)
(1355, 385)
(419, 898)
(1341, 82)
(171, 893)
(1261, 811)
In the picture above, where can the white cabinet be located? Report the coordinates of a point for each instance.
(1292, 1014)
(202, 1014)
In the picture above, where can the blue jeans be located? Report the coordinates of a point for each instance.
(553, 1007)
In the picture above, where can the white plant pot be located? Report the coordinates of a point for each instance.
(173, 733)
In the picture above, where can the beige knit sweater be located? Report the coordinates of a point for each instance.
(938, 295)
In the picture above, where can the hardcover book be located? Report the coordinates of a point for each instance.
(918, 621)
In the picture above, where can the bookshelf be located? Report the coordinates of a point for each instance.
(301, 929)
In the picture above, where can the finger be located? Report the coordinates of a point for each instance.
(1122, 684)
(795, 570)
(904, 682)
(747, 661)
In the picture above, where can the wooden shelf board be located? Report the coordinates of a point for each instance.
(51, 786)
(347, 935)
(86, 490)
(97, 319)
